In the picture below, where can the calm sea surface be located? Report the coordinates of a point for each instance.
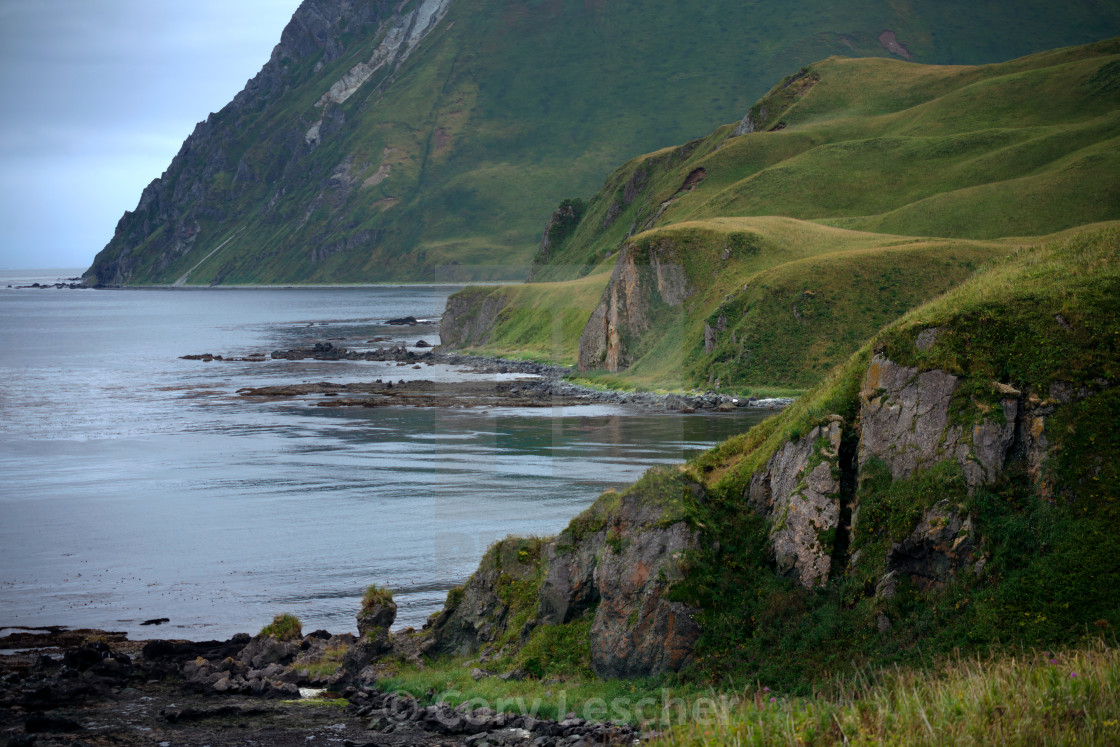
(135, 485)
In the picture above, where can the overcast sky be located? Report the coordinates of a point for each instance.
(98, 95)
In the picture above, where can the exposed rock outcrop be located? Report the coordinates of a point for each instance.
(617, 562)
(470, 318)
(400, 38)
(800, 491)
(478, 613)
(569, 588)
(637, 630)
(943, 542)
(905, 420)
(378, 615)
(644, 276)
(563, 222)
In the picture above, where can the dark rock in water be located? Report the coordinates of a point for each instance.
(409, 321)
(422, 344)
(680, 403)
(157, 621)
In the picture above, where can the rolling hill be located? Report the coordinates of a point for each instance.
(767, 252)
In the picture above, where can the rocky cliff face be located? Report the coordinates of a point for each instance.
(799, 490)
(614, 564)
(175, 209)
(647, 280)
(470, 317)
(618, 562)
(616, 568)
(905, 421)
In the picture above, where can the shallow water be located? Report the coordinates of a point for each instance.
(136, 485)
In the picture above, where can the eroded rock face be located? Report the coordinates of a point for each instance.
(377, 616)
(264, 650)
(569, 587)
(903, 415)
(800, 491)
(477, 615)
(943, 542)
(905, 422)
(400, 38)
(637, 630)
(623, 314)
(469, 319)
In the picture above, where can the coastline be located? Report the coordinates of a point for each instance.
(58, 685)
(549, 388)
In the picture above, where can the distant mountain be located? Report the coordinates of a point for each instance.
(399, 141)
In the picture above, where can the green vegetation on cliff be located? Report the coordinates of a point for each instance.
(977, 577)
(971, 584)
(894, 183)
(446, 161)
(1038, 329)
(946, 491)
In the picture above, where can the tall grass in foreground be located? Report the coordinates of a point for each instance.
(1038, 698)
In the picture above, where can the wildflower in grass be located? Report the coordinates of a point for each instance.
(1073, 674)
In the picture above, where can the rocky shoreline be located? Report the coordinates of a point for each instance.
(92, 687)
(548, 387)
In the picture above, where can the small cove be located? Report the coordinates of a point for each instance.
(137, 485)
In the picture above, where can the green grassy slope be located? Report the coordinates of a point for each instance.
(1041, 568)
(798, 299)
(539, 321)
(969, 155)
(457, 158)
(1041, 317)
(795, 298)
(1021, 149)
(1018, 148)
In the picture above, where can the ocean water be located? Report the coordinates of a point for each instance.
(135, 485)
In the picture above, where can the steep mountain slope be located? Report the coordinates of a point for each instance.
(706, 291)
(385, 140)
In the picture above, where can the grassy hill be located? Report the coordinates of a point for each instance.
(955, 609)
(452, 156)
(1040, 321)
(894, 181)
